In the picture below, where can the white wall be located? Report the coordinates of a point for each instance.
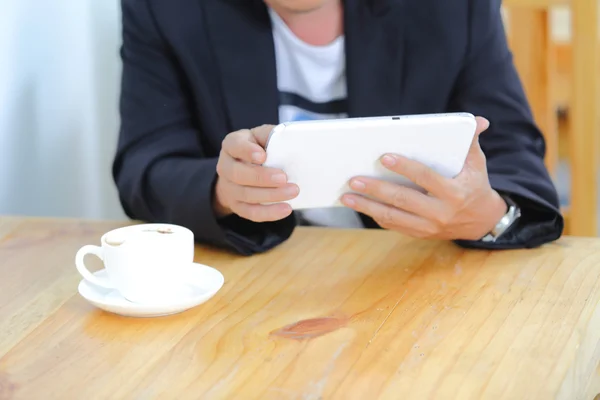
(59, 85)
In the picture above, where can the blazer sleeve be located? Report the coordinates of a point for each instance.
(161, 169)
(514, 147)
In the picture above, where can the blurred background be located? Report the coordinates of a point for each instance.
(59, 88)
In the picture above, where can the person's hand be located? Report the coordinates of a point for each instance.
(463, 208)
(243, 184)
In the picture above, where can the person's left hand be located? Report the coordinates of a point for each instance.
(463, 208)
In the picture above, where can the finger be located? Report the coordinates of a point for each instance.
(243, 145)
(419, 173)
(262, 213)
(397, 196)
(253, 195)
(387, 215)
(249, 174)
(261, 134)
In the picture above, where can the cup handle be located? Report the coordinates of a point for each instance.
(87, 275)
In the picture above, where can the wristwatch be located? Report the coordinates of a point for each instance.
(508, 220)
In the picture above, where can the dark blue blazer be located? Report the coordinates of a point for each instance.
(195, 70)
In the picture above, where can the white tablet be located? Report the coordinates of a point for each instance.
(322, 156)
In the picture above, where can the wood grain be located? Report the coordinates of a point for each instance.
(531, 44)
(536, 4)
(584, 141)
(331, 314)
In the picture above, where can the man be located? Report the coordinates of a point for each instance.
(202, 77)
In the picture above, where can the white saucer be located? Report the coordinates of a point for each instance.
(203, 283)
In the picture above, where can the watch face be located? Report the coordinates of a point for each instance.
(505, 222)
(509, 219)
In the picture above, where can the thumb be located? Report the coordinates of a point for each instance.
(260, 135)
(476, 156)
(482, 125)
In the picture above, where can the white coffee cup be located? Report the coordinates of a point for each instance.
(145, 263)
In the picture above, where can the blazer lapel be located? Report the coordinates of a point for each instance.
(245, 54)
(375, 45)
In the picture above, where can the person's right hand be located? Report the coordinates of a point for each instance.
(243, 184)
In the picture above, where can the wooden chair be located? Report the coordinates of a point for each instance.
(530, 38)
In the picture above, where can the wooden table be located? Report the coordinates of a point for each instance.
(330, 314)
